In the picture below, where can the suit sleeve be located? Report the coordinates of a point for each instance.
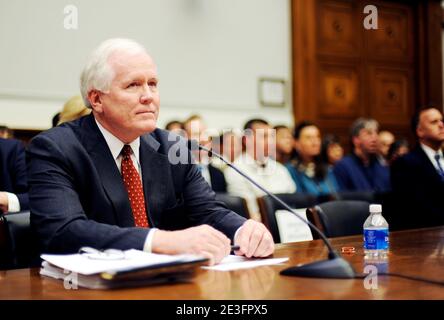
(57, 216)
(203, 208)
(20, 177)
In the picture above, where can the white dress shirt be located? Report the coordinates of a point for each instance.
(271, 175)
(13, 202)
(431, 155)
(116, 146)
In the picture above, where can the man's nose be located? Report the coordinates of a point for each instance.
(147, 95)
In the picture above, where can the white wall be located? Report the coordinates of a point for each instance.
(210, 54)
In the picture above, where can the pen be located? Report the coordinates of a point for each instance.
(235, 248)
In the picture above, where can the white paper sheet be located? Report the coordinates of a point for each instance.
(233, 262)
(292, 229)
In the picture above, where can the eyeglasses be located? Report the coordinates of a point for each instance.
(108, 254)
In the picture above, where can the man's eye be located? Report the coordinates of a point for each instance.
(133, 84)
(152, 84)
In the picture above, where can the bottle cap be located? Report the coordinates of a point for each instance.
(375, 208)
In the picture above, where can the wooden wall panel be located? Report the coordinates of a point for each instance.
(391, 95)
(336, 29)
(339, 91)
(342, 71)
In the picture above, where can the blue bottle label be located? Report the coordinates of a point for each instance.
(376, 239)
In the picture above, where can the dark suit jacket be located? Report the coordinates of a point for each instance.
(77, 196)
(218, 183)
(13, 177)
(418, 191)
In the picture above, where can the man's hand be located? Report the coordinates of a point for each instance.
(4, 204)
(254, 240)
(202, 240)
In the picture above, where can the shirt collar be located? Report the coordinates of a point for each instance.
(430, 152)
(115, 145)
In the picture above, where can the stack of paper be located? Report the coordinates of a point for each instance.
(133, 269)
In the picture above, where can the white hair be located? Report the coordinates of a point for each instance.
(97, 73)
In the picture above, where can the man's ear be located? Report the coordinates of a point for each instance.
(419, 131)
(95, 99)
(355, 140)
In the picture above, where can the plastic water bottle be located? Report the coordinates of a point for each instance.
(376, 234)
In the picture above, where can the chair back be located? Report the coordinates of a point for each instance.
(268, 207)
(340, 217)
(234, 203)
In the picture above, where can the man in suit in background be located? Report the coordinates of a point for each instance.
(13, 179)
(418, 177)
(107, 180)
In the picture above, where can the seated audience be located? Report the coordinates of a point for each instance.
(331, 150)
(308, 171)
(418, 177)
(256, 162)
(73, 109)
(397, 149)
(13, 178)
(361, 170)
(385, 140)
(196, 129)
(284, 144)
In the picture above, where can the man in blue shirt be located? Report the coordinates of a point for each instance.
(361, 170)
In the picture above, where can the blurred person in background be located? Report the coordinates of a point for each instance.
(73, 109)
(256, 161)
(177, 127)
(310, 173)
(385, 140)
(229, 145)
(397, 149)
(13, 177)
(331, 149)
(6, 133)
(418, 177)
(196, 129)
(284, 144)
(361, 170)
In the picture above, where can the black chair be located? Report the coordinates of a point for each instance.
(17, 245)
(339, 218)
(234, 203)
(268, 207)
(368, 196)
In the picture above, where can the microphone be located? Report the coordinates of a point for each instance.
(334, 267)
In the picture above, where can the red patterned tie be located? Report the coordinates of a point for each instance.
(133, 184)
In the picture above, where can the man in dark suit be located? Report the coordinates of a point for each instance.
(13, 179)
(418, 177)
(112, 180)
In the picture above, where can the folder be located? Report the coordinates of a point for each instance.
(136, 268)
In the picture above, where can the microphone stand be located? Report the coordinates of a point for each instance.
(334, 267)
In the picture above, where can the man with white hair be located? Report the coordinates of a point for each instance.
(105, 180)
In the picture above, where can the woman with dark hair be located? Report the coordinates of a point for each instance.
(397, 149)
(310, 173)
(331, 150)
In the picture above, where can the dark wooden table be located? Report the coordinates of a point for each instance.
(413, 252)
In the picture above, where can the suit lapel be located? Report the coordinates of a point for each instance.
(109, 174)
(155, 173)
(428, 165)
